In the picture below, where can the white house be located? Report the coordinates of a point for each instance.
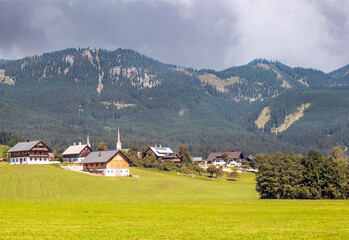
(30, 152)
(76, 152)
(234, 159)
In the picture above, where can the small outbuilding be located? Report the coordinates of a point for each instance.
(109, 163)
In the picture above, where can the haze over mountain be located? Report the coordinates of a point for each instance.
(259, 107)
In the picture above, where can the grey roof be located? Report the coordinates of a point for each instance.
(100, 156)
(74, 149)
(231, 155)
(23, 146)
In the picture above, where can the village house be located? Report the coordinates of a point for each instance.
(164, 153)
(77, 153)
(197, 159)
(234, 159)
(30, 152)
(108, 163)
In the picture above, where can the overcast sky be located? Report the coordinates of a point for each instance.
(214, 34)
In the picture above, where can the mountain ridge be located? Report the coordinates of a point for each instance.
(73, 92)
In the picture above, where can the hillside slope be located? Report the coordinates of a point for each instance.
(74, 92)
(52, 182)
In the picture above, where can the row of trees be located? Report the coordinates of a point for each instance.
(287, 176)
(9, 139)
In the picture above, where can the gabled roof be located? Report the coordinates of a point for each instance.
(231, 155)
(23, 146)
(102, 156)
(74, 149)
(162, 151)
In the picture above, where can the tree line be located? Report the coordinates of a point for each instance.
(287, 176)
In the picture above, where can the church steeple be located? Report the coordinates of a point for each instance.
(118, 144)
(88, 140)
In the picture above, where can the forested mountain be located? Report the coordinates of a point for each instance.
(263, 106)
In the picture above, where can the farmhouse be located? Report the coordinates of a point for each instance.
(216, 159)
(197, 159)
(30, 152)
(76, 153)
(108, 163)
(164, 153)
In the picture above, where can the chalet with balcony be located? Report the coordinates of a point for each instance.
(216, 159)
(30, 152)
(109, 163)
(76, 152)
(163, 153)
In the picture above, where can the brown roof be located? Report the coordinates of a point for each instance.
(231, 155)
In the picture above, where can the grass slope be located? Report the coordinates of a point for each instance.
(3, 149)
(47, 202)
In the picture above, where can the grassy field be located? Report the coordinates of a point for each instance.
(46, 202)
(2, 150)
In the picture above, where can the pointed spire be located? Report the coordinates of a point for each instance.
(118, 144)
(88, 140)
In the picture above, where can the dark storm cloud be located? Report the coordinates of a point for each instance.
(192, 33)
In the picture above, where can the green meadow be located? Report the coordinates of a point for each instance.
(3, 149)
(47, 202)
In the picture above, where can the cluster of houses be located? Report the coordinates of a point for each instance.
(111, 162)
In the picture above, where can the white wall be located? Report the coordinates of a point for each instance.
(112, 172)
(26, 160)
(77, 160)
(219, 163)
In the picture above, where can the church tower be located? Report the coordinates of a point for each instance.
(88, 140)
(118, 144)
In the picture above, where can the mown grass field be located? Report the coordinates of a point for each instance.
(46, 202)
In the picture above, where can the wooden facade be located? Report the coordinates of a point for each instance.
(77, 156)
(38, 154)
(115, 164)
